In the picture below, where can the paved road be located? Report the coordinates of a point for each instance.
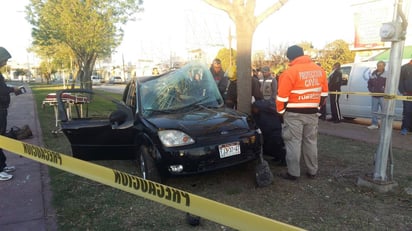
(357, 130)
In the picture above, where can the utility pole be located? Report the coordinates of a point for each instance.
(393, 32)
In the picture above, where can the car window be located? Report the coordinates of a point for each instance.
(191, 85)
(345, 74)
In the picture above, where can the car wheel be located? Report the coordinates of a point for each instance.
(147, 165)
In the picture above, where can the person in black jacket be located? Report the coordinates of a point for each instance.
(4, 105)
(256, 93)
(334, 84)
(219, 76)
(405, 88)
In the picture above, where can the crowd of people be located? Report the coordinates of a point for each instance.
(287, 107)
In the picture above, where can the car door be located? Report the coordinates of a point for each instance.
(97, 126)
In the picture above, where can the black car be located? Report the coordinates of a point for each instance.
(174, 123)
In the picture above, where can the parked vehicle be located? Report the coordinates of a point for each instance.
(96, 80)
(116, 79)
(170, 124)
(355, 79)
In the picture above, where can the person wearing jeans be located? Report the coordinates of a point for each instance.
(376, 84)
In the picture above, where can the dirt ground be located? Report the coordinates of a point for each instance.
(331, 201)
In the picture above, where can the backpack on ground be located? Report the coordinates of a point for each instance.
(19, 133)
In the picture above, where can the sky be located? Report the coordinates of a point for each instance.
(173, 27)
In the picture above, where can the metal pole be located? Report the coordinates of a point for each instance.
(395, 62)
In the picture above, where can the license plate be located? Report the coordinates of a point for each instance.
(231, 149)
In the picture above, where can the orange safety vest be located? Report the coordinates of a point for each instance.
(301, 86)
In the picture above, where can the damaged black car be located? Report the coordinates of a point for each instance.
(171, 124)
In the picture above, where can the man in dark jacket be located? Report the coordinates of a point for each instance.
(256, 93)
(4, 104)
(405, 88)
(376, 84)
(219, 76)
(334, 84)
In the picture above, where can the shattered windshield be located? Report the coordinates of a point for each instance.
(187, 87)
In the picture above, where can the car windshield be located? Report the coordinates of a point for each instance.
(185, 88)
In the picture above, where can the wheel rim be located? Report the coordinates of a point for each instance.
(142, 166)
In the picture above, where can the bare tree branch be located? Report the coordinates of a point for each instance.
(270, 11)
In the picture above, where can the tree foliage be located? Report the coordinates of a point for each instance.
(227, 57)
(336, 51)
(85, 29)
(242, 13)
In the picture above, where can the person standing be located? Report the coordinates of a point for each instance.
(376, 84)
(302, 89)
(335, 82)
(268, 85)
(268, 120)
(4, 105)
(405, 88)
(219, 76)
(256, 93)
(230, 95)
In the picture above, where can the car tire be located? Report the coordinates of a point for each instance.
(147, 165)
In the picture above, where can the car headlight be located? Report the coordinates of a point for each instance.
(174, 138)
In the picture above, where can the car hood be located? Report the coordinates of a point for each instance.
(205, 121)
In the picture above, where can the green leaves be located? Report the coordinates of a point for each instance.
(83, 30)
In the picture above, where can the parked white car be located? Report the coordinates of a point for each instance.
(96, 80)
(116, 79)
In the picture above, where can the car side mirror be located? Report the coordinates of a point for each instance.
(117, 118)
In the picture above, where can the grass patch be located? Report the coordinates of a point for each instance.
(332, 201)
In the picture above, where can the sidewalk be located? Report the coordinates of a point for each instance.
(25, 199)
(357, 130)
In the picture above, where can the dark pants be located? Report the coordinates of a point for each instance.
(269, 122)
(3, 127)
(407, 115)
(334, 107)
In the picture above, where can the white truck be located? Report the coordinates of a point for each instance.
(356, 77)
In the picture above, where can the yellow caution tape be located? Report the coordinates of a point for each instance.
(385, 96)
(163, 194)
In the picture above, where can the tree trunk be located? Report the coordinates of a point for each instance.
(244, 36)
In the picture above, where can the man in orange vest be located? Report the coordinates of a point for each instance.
(303, 88)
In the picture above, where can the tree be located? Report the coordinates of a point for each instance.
(242, 13)
(88, 29)
(227, 57)
(336, 51)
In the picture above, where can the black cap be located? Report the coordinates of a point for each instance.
(294, 52)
